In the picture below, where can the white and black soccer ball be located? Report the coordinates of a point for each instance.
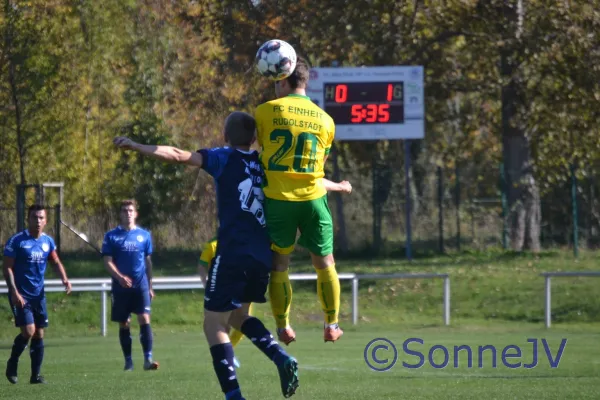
(276, 60)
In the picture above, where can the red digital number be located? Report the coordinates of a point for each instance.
(341, 93)
(356, 113)
(384, 113)
(390, 92)
(371, 113)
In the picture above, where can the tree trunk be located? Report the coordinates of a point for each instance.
(524, 212)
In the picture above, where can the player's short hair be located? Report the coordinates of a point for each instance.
(128, 202)
(34, 208)
(240, 128)
(299, 78)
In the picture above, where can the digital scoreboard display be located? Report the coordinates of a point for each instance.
(371, 103)
(364, 102)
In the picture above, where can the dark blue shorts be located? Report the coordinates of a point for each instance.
(128, 301)
(229, 285)
(34, 312)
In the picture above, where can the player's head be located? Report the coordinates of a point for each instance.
(239, 129)
(128, 212)
(296, 81)
(36, 218)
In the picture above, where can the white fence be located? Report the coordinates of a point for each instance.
(548, 288)
(103, 285)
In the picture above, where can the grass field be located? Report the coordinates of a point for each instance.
(91, 368)
(491, 286)
(497, 299)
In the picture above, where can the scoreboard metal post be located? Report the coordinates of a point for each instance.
(374, 103)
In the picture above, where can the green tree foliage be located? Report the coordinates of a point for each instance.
(76, 73)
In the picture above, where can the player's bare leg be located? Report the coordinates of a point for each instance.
(146, 340)
(19, 346)
(280, 293)
(236, 336)
(328, 290)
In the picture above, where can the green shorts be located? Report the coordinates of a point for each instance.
(311, 217)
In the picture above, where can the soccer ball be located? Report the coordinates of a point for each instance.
(276, 60)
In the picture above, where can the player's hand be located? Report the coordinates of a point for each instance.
(151, 294)
(346, 187)
(125, 281)
(124, 143)
(17, 299)
(67, 284)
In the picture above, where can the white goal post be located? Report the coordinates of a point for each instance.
(548, 288)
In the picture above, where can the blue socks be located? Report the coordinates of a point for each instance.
(255, 330)
(36, 352)
(146, 340)
(234, 395)
(222, 355)
(19, 346)
(125, 339)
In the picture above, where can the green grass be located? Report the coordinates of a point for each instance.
(497, 298)
(486, 287)
(91, 368)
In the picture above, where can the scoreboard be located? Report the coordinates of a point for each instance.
(371, 103)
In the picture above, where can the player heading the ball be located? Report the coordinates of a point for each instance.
(296, 137)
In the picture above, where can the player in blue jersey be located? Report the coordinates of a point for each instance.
(127, 251)
(240, 272)
(25, 258)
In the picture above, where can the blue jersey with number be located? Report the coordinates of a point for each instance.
(129, 250)
(31, 259)
(242, 227)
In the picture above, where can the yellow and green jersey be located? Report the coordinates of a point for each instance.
(295, 136)
(208, 252)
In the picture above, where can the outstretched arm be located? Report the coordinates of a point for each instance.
(163, 153)
(343, 186)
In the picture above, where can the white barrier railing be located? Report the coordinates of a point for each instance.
(103, 285)
(548, 296)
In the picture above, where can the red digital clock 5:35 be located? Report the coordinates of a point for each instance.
(365, 102)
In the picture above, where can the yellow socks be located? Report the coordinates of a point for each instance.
(280, 294)
(234, 335)
(328, 290)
